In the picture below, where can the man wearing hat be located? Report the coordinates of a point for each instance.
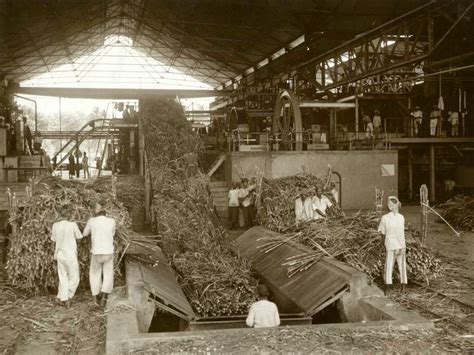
(417, 115)
(101, 274)
(392, 227)
(303, 207)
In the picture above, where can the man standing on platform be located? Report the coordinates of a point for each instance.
(245, 200)
(85, 165)
(101, 273)
(233, 207)
(377, 122)
(453, 120)
(78, 156)
(28, 136)
(435, 115)
(417, 115)
(392, 228)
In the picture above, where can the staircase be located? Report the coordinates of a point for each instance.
(219, 191)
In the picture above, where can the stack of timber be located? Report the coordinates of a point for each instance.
(215, 281)
(350, 239)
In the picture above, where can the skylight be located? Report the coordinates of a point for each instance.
(117, 64)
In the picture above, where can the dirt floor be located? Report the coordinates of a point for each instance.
(37, 325)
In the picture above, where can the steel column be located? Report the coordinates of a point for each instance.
(432, 173)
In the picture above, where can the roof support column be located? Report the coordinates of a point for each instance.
(432, 173)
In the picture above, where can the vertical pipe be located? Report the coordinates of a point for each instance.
(60, 127)
(432, 173)
(410, 175)
(357, 116)
(332, 128)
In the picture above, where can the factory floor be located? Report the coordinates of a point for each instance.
(37, 325)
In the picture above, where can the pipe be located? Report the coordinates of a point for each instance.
(36, 109)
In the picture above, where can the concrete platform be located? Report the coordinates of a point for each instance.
(130, 311)
(123, 334)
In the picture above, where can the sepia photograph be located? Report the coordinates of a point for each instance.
(236, 177)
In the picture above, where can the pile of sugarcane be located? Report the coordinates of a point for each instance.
(215, 281)
(459, 211)
(130, 189)
(277, 199)
(352, 239)
(30, 264)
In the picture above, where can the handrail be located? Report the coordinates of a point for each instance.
(79, 139)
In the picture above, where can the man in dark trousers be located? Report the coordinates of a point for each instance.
(28, 136)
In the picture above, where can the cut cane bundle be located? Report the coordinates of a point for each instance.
(351, 239)
(215, 281)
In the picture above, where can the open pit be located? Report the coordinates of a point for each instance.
(153, 308)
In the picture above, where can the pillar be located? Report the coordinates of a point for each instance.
(410, 175)
(432, 173)
(356, 117)
(332, 128)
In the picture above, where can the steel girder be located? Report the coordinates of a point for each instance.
(387, 59)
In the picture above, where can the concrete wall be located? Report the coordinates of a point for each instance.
(361, 171)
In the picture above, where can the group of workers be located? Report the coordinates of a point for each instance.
(242, 202)
(27, 145)
(372, 126)
(392, 231)
(435, 122)
(74, 165)
(64, 234)
(309, 208)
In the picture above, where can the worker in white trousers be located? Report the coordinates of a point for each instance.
(392, 227)
(64, 233)
(101, 273)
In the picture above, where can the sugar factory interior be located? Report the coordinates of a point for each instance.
(236, 176)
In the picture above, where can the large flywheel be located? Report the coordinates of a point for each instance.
(287, 124)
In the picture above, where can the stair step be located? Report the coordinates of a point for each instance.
(218, 184)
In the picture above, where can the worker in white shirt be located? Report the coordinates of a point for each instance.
(454, 122)
(64, 234)
(245, 200)
(101, 273)
(303, 207)
(392, 228)
(233, 206)
(320, 204)
(263, 313)
(377, 122)
(369, 126)
(435, 115)
(417, 115)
